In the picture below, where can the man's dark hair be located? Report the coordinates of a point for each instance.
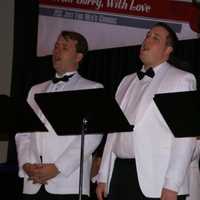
(82, 45)
(172, 38)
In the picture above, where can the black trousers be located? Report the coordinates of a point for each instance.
(44, 195)
(124, 182)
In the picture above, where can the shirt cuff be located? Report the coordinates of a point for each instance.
(171, 185)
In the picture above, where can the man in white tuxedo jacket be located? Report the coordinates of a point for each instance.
(50, 163)
(148, 163)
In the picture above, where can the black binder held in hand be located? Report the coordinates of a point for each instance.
(181, 111)
(18, 117)
(66, 110)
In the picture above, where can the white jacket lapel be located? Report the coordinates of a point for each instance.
(125, 92)
(150, 92)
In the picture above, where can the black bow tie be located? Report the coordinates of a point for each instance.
(149, 73)
(64, 78)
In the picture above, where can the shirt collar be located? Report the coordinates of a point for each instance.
(67, 73)
(156, 68)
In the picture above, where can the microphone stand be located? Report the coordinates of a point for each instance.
(83, 131)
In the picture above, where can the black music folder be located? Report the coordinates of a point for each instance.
(18, 117)
(181, 111)
(66, 110)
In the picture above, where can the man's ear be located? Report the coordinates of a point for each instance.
(79, 57)
(169, 50)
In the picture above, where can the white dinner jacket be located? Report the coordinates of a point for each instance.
(160, 158)
(63, 151)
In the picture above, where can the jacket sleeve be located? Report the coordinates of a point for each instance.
(181, 156)
(182, 148)
(108, 157)
(27, 151)
(105, 167)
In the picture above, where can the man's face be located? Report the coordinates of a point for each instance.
(154, 49)
(65, 56)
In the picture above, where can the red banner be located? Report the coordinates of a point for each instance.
(165, 9)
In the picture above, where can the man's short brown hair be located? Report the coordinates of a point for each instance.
(82, 44)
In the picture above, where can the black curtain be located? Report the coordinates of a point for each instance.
(107, 66)
(24, 53)
(25, 39)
